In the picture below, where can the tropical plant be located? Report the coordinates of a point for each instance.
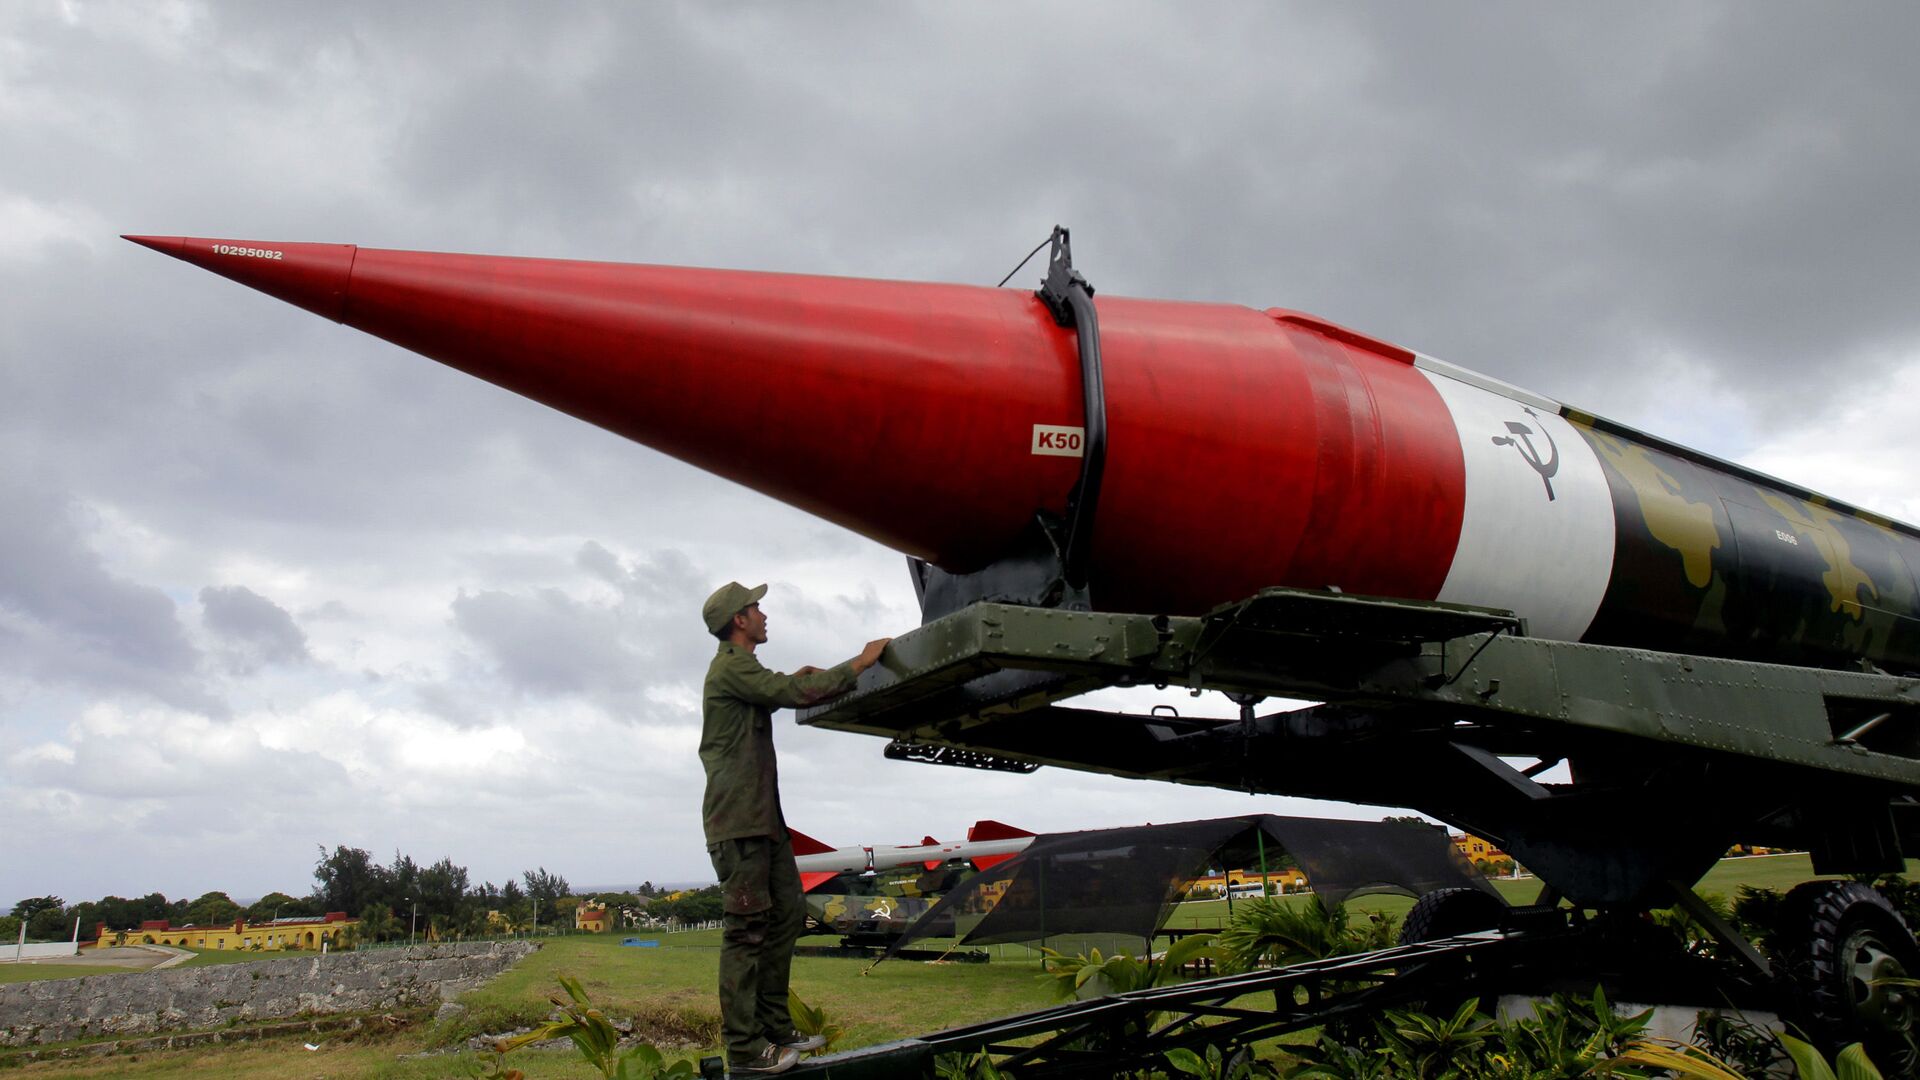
(1570, 1036)
(1090, 975)
(808, 1020)
(1851, 1063)
(1269, 930)
(1218, 1064)
(1694, 934)
(958, 1066)
(1334, 1059)
(1745, 1047)
(1432, 1047)
(1683, 1061)
(598, 1041)
(1564, 1038)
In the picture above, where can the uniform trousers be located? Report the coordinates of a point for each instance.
(763, 917)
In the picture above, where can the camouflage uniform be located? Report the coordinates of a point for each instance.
(748, 842)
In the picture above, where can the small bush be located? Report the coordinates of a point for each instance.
(491, 1019)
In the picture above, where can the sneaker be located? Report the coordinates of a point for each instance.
(774, 1059)
(792, 1039)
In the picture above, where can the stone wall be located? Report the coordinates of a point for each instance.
(141, 1003)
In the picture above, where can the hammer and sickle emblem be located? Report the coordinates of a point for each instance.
(1520, 437)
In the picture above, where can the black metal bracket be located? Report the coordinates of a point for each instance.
(1069, 297)
(1048, 565)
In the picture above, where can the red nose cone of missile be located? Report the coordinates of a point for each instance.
(1246, 448)
(822, 392)
(312, 276)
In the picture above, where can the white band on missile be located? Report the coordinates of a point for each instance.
(1546, 559)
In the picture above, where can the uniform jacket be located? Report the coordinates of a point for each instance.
(736, 739)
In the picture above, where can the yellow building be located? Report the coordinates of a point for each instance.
(1477, 850)
(297, 932)
(593, 917)
(1290, 880)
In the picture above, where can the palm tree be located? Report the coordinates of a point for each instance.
(1270, 930)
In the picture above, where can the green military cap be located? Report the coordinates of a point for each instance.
(727, 601)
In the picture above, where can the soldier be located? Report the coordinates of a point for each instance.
(746, 832)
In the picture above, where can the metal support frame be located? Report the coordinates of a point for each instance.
(1673, 757)
(1124, 1031)
(1070, 298)
(1047, 566)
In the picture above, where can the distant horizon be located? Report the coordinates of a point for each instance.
(578, 890)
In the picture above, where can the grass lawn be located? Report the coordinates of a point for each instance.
(671, 989)
(204, 957)
(13, 973)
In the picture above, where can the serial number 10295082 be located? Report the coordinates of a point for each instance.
(257, 253)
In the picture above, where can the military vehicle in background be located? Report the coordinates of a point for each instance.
(871, 896)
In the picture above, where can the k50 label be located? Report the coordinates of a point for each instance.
(1053, 440)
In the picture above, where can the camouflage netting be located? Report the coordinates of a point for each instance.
(1115, 887)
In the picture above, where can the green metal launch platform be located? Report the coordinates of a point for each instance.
(1455, 712)
(1446, 709)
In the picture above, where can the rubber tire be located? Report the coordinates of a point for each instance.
(1844, 935)
(1445, 913)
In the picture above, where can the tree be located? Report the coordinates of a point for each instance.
(278, 905)
(544, 889)
(213, 909)
(442, 889)
(34, 905)
(49, 924)
(348, 880)
(514, 906)
(377, 923)
(401, 882)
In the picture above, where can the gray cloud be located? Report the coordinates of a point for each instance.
(1698, 219)
(548, 641)
(257, 630)
(65, 618)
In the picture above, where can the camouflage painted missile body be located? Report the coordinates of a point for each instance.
(1714, 560)
(878, 909)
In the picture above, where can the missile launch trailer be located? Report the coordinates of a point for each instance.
(1453, 711)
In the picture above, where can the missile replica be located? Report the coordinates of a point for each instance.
(872, 895)
(988, 844)
(1243, 449)
(1474, 582)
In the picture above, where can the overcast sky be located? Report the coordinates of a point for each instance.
(268, 584)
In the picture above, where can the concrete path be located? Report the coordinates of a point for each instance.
(174, 957)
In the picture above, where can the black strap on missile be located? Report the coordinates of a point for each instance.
(1070, 298)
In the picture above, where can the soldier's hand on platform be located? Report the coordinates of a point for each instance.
(870, 655)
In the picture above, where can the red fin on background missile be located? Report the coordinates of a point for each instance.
(806, 845)
(932, 864)
(993, 830)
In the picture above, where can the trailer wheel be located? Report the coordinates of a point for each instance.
(1846, 942)
(1445, 913)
